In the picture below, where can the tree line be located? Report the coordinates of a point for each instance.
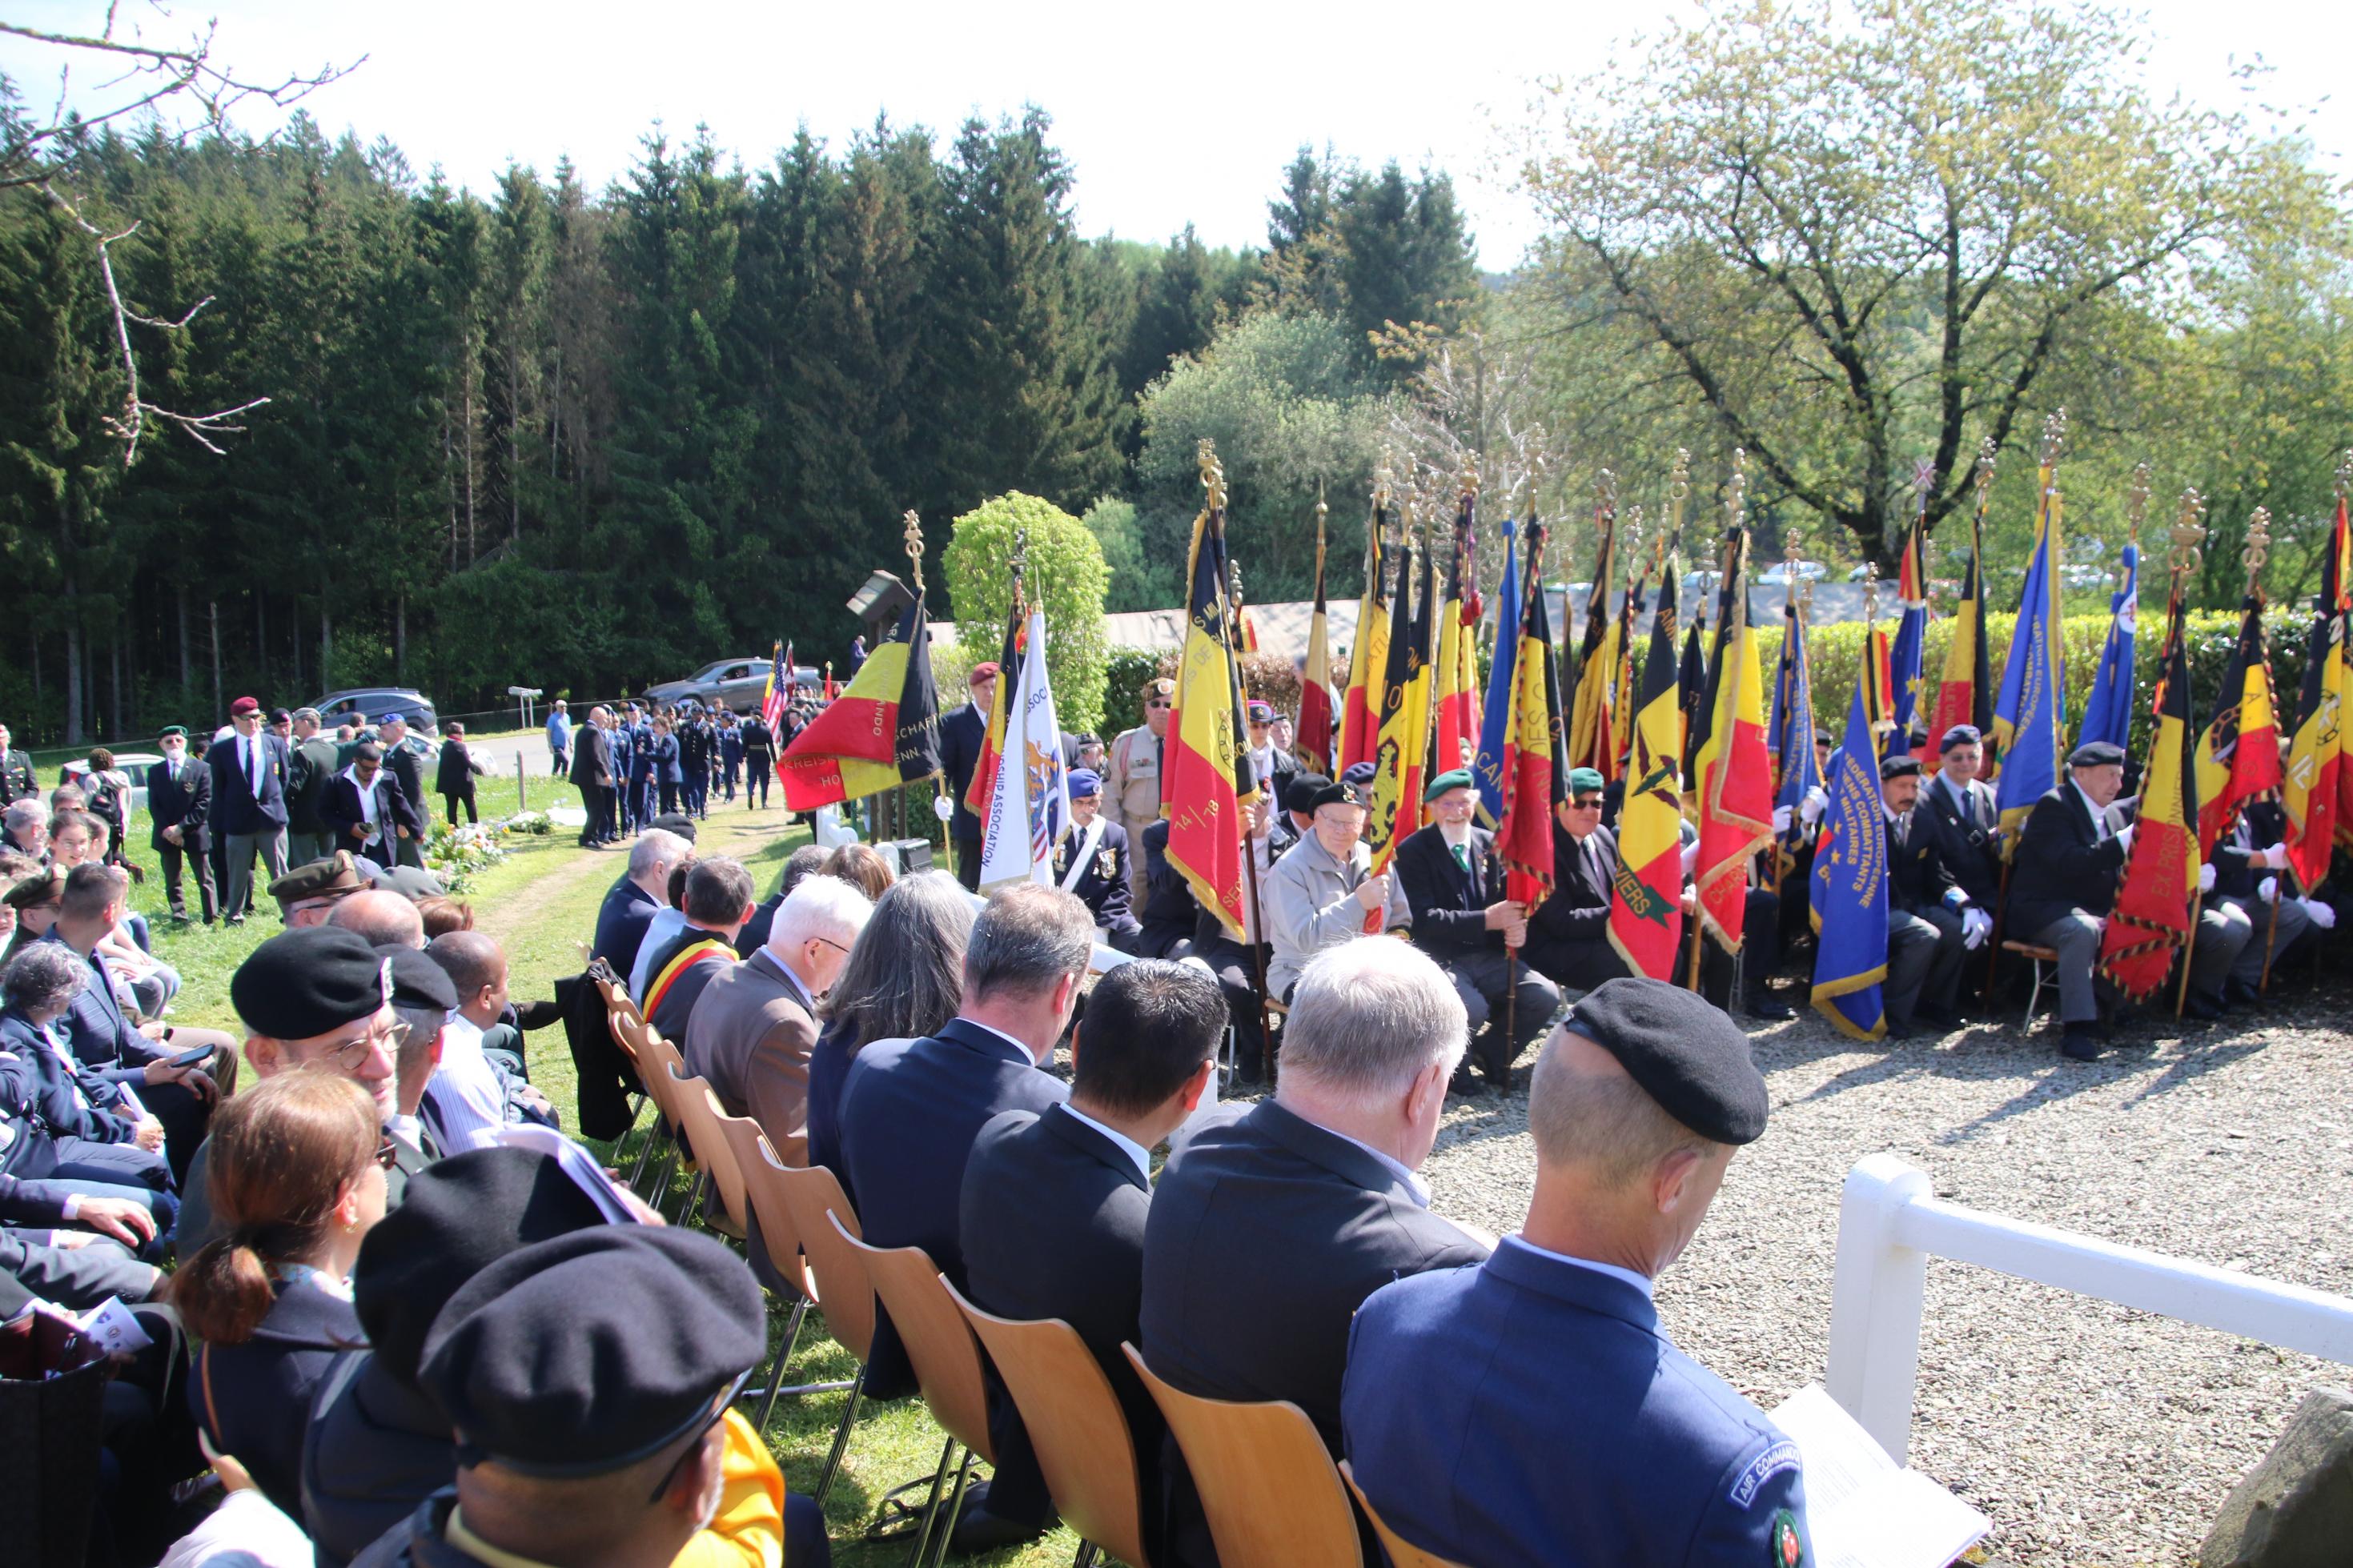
(575, 438)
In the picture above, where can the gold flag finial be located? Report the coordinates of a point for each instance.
(1678, 491)
(2258, 547)
(1321, 510)
(1987, 452)
(1384, 475)
(2344, 475)
(1470, 473)
(914, 534)
(1213, 473)
(2137, 501)
(1870, 602)
(1735, 489)
(2054, 438)
(1605, 493)
(2188, 533)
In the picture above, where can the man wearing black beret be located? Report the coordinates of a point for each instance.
(1931, 922)
(587, 1380)
(2063, 878)
(321, 997)
(1638, 1104)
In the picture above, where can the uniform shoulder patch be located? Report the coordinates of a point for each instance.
(1780, 1456)
(1789, 1551)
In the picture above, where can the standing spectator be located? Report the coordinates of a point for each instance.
(698, 750)
(249, 804)
(643, 767)
(592, 775)
(405, 763)
(1132, 783)
(179, 806)
(759, 761)
(17, 781)
(559, 740)
(296, 1183)
(662, 757)
(963, 734)
(730, 751)
(107, 789)
(455, 777)
(361, 809)
(315, 761)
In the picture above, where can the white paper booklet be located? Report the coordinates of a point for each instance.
(1865, 1510)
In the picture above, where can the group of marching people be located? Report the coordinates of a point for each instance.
(634, 763)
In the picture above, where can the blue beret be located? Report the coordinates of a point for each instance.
(590, 1353)
(1453, 778)
(1685, 1053)
(392, 718)
(1360, 775)
(1085, 782)
(455, 1218)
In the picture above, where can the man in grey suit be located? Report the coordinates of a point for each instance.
(753, 1028)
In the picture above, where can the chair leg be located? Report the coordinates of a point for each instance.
(1089, 1555)
(689, 1210)
(841, 1437)
(645, 1152)
(922, 1545)
(784, 1355)
(945, 1534)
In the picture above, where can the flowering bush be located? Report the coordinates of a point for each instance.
(534, 823)
(456, 855)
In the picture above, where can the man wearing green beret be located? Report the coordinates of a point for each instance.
(179, 806)
(1453, 884)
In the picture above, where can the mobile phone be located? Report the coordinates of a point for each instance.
(196, 1057)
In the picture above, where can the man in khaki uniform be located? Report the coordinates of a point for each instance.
(1131, 776)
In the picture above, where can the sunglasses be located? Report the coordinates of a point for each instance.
(1593, 804)
(1157, 702)
(694, 1438)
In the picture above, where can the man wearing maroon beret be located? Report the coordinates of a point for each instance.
(963, 734)
(250, 770)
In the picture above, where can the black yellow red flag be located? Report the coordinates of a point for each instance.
(1646, 901)
(2157, 899)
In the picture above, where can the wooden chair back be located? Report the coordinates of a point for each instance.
(763, 1176)
(1403, 1554)
(811, 1194)
(702, 1114)
(939, 1342)
(1266, 1483)
(1075, 1424)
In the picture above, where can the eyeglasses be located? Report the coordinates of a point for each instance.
(694, 1439)
(351, 1055)
(830, 942)
(1592, 804)
(388, 1156)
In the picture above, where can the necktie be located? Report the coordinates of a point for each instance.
(1903, 830)
(1463, 855)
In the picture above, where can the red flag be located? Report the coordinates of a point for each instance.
(1204, 776)
(2238, 756)
(1313, 744)
(2152, 919)
(1734, 772)
(1535, 765)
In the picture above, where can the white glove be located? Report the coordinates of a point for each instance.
(2123, 837)
(1810, 811)
(2322, 915)
(2274, 858)
(941, 808)
(2267, 889)
(2206, 877)
(1976, 926)
(1691, 858)
(1780, 819)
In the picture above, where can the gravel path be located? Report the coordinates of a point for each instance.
(2091, 1434)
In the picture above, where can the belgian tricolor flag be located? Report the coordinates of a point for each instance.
(1205, 775)
(1646, 920)
(2317, 791)
(1964, 694)
(1360, 709)
(982, 788)
(1534, 763)
(1405, 725)
(1734, 772)
(2238, 756)
(1312, 743)
(882, 731)
(1596, 662)
(2152, 919)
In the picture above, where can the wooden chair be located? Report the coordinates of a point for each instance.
(1273, 1496)
(1403, 1554)
(811, 1196)
(2042, 956)
(946, 1359)
(658, 1057)
(1076, 1425)
(699, 1111)
(779, 1238)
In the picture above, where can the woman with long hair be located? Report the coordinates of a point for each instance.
(904, 979)
(862, 867)
(295, 1174)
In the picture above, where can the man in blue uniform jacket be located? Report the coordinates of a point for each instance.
(910, 1111)
(1562, 1426)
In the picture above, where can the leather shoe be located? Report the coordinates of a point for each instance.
(1896, 1031)
(1763, 1005)
(2201, 1006)
(2080, 1044)
(2238, 993)
(977, 1529)
(1465, 1083)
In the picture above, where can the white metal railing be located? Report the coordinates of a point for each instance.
(1889, 1223)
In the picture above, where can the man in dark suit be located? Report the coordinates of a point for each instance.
(249, 804)
(1271, 1228)
(314, 760)
(759, 761)
(912, 1109)
(1568, 934)
(180, 805)
(1170, 911)
(2063, 885)
(2247, 861)
(717, 901)
(1453, 883)
(18, 780)
(963, 734)
(592, 775)
(1550, 1421)
(405, 762)
(1961, 809)
(1090, 863)
(359, 809)
(1931, 922)
(635, 897)
(1054, 1203)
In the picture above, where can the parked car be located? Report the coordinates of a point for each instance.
(739, 682)
(1808, 572)
(369, 703)
(134, 764)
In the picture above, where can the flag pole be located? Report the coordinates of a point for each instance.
(1734, 489)
(913, 534)
(2187, 533)
(1213, 481)
(1987, 452)
(2258, 550)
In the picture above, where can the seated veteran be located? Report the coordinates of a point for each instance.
(1931, 923)
(1091, 864)
(1323, 892)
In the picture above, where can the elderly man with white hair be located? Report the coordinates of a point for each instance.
(753, 1028)
(1269, 1229)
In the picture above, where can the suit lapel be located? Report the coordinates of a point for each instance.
(1329, 1149)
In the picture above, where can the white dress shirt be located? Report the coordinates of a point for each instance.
(665, 924)
(464, 1089)
(1414, 1184)
(1136, 1152)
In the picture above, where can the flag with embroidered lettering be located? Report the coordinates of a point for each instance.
(1535, 771)
(2030, 711)
(1369, 656)
(2318, 788)
(1207, 775)
(882, 732)
(1029, 801)
(2107, 715)
(2237, 754)
(1849, 892)
(1732, 771)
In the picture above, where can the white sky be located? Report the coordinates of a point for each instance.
(1169, 113)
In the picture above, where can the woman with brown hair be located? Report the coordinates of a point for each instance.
(904, 978)
(295, 1173)
(862, 867)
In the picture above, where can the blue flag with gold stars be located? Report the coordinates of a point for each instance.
(1849, 901)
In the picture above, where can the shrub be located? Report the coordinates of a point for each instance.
(1065, 569)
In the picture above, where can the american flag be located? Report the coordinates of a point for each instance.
(780, 684)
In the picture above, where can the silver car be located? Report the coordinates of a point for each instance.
(738, 682)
